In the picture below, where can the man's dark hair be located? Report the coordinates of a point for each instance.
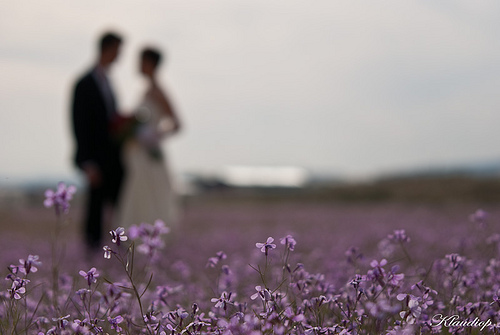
(109, 39)
(152, 55)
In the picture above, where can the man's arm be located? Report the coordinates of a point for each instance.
(83, 127)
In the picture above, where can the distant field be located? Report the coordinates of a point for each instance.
(337, 217)
(431, 190)
(24, 216)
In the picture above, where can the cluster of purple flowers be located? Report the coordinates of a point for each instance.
(60, 198)
(150, 238)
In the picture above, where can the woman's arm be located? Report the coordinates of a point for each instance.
(166, 106)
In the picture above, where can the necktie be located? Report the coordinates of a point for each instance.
(107, 93)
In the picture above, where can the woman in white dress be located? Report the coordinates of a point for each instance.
(148, 193)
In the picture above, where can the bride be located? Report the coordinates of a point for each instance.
(147, 193)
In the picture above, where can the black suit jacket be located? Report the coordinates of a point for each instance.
(91, 124)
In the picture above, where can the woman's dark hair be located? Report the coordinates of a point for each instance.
(152, 55)
(109, 39)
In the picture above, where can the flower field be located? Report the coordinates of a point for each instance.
(255, 268)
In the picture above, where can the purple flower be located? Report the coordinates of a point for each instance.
(223, 300)
(221, 255)
(358, 279)
(79, 327)
(394, 278)
(289, 242)
(160, 228)
(15, 269)
(62, 322)
(18, 288)
(118, 235)
(107, 252)
(399, 236)
(456, 261)
(377, 273)
(424, 289)
(267, 245)
(414, 308)
(181, 313)
(150, 245)
(213, 261)
(263, 293)
(382, 308)
(29, 264)
(83, 292)
(115, 321)
(60, 198)
(480, 217)
(150, 236)
(150, 318)
(376, 264)
(90, 276)
(146, 229)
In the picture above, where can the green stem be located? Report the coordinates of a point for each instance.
(405, 252)
(55, 262)
(134, 288)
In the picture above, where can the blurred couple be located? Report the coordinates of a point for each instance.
(126, 172)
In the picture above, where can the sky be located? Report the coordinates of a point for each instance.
(353, 88)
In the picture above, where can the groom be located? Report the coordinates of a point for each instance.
(97, 154)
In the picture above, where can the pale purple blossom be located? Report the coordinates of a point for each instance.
(62, 321)
(223, 300)
(150, 230)
(115, 322)
(382, 308)
(289, 242)
(394, 278)
(107, 252)
(291, 314)
(160, 228)
(263, 293)
(150, 237)
(264, 247)
(377, 273)
(213, 261)
(413, 311)
(456, 261)
(15, 269)
(423, 288)
(118, 235)
(18, 288)
(59, 198)
(80, 327)
(90, 276)
(83, 293)
(356, 281)
(399, 236)
(480, 217)
(29, 265)
(150, 318)
(377, 264)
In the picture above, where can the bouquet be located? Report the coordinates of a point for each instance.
(122, 128)
(135, 127)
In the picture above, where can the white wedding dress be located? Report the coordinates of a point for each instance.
(147, 193)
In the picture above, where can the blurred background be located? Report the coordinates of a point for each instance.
(281, 94)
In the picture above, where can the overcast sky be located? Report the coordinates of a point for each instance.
(351, 87)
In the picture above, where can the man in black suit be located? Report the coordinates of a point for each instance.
(97, 153)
